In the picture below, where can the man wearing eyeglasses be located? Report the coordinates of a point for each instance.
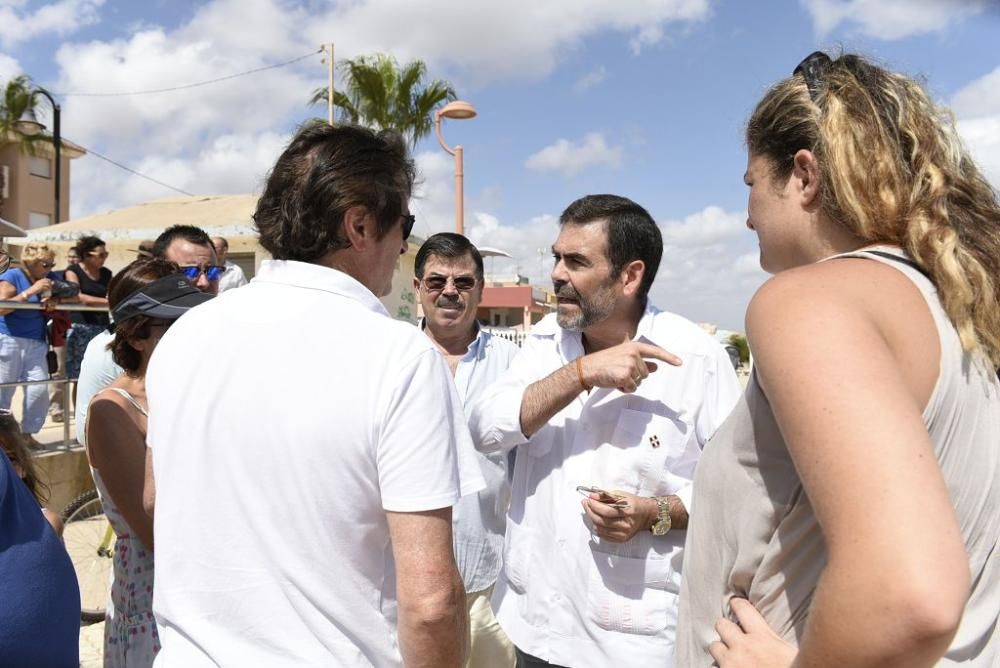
(449, 283)
(309, 445)
(191, 249)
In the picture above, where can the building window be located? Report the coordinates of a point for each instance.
(36, 220)
(40, 167)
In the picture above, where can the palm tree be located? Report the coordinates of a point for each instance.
(19, 95)
(382, 95)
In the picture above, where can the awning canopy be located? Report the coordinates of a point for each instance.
(9, 229)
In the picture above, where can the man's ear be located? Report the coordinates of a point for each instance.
(416, 284)
(360, 227)
(632, 276)
(805, 169)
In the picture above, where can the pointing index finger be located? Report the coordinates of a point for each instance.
(656, 352)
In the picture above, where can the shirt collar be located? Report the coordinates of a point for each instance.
(549, 326)
(475, 346)
(317, 277)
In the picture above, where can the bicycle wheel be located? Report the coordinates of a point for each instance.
(90, 545)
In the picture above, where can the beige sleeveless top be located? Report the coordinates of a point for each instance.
(753, 532)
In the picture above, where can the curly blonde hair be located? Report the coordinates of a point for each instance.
(36, 250)
(893, 170)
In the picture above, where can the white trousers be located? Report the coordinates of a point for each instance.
(24, 359)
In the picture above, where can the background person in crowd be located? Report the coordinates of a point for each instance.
(848, 512)
(23, 342)
(59, 324)
(12, 442)
(584, 407)
(189, 248)
(302, 558)
(145, 248)
(449, 284)
(146, 297)
(93, 278)
(232, 275)
(40, 614)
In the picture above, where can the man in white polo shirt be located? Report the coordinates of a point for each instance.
(306, 448)
(594, 400)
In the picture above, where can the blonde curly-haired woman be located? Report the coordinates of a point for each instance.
(848, 511)
(23, 345)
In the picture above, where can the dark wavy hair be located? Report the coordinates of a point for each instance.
(86, 244)
(133, 277)
(13, 445)
(325, 171)
(631, 232)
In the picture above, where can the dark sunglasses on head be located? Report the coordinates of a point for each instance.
(812, 68)
(437, 283)
(408, 221)
(212, 273)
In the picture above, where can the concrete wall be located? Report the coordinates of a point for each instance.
(67, 474)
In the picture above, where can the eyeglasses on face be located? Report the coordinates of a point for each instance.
(212, 273)
(408, 221)
(812, 68)
(47, 265)
(437, 283)
(98, 253)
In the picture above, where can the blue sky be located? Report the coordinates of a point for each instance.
(642, 98)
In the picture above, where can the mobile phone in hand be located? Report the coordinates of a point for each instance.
(607, 498)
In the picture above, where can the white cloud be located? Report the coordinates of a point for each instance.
(172, 131)
(569, 158)
(9, 68)
(977, 106)
(479, 40)
(710, 225)
(982, 136)
(979, 98)
(891, 19)
(592, 78)
(61, 18)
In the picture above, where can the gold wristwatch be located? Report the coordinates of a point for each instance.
(662, 524)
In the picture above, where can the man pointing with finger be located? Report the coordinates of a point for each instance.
(596, 400)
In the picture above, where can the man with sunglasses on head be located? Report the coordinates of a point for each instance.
(449, 284)
(188, 247)
(318, 443)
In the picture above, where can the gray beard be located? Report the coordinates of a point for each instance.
(592, 311)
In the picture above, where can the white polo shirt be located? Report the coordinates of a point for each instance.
(286, 418)
(564, 595)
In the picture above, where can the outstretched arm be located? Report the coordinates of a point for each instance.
(623, 367)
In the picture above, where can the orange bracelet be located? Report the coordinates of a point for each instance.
(579, 374)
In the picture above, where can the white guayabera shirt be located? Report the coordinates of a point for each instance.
(564, 595)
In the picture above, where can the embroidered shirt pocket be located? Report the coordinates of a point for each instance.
(647, 444)
(631, 595)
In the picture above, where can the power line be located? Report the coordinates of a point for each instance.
(193, 85)
(94, 153)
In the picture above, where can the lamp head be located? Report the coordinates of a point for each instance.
(458, 109)
(29, 124)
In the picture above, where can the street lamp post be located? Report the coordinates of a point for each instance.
(30, 125)
(457, 110)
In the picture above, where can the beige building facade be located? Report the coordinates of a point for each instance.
(27, 183)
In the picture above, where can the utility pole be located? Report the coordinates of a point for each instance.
(328, 59)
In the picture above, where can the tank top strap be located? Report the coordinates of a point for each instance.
(129, 398)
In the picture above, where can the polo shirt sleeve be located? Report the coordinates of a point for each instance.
(495, 418)
(424, 454)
